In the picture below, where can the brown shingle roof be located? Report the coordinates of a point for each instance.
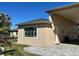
(39, 20)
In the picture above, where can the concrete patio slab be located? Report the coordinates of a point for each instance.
(56, 50)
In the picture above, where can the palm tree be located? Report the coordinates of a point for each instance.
(5, 26)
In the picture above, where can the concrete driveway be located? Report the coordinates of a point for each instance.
(56, 50)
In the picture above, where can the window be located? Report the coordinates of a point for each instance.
(30, 31)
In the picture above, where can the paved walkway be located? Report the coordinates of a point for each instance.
(56, 50)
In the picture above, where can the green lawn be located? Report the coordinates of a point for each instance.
(19, 50)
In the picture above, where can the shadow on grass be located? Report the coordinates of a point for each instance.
(19, 51)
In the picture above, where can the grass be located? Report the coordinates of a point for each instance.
(18, 50)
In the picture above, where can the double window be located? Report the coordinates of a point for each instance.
(30, 31)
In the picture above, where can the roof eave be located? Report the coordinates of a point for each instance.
(31, 24)
(64, 7)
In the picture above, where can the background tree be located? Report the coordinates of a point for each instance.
(5, 26)
(5, 22)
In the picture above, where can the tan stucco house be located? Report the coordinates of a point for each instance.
(63, 21)
(37, 32)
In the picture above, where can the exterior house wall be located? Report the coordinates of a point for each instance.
(44, 36)
(49, 37)
(63, 27)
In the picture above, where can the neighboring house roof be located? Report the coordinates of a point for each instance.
(39, 20)
(64, 7)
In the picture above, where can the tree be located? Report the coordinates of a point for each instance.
(5, 26)
(5, 22)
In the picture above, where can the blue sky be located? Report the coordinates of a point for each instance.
(25, 11)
